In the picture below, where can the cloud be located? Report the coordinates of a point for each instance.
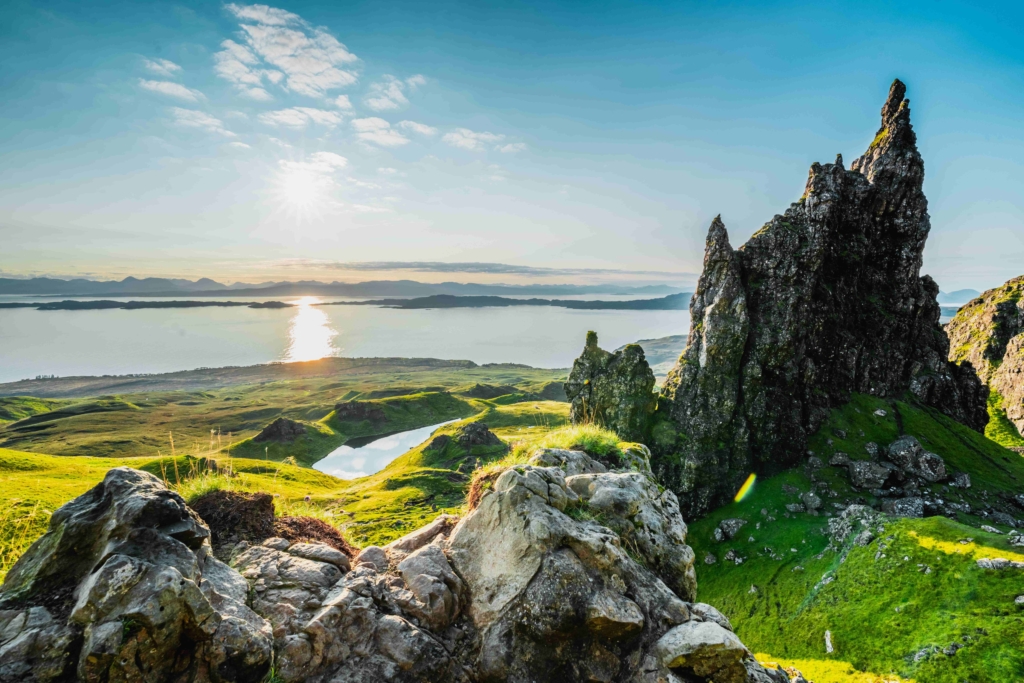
(323, 163)
(171, 90)
(421, 128)
(190, 118)
(511, 148)
(465, 138)
(300, 117)
(470, 267)
(379, 132)
(387, 171)
(162, 67)
(263, 14)
(343, 102)
(239, 145)
(307, 61)
(389, 94)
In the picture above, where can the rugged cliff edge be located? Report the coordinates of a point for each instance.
(529, 586)
(988, 333)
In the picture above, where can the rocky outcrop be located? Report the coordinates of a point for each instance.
(281, 430)
(357, 411)
(824, 300)
(988, 333)
(123, 587)
(615, 390)
(527, 587)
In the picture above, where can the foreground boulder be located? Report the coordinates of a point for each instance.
(615, 390)
(825, 300)
(527, 587)
(124, 587)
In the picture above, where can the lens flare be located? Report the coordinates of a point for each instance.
(745, 489)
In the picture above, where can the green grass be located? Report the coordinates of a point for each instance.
(236, 412)
(880, 612)
(999, 427)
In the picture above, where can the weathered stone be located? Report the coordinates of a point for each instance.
(570, 462)
(811, 500)
(612, 389)
(374, 556)
(867, 475)
(358, 411)
(730, 527)
(907, 454)
(825, 300)
(904, 507)
(123, 587)
(706, 649)
(320, 553)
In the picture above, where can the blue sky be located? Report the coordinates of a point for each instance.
(285, 141)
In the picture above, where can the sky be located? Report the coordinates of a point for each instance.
(483, 141)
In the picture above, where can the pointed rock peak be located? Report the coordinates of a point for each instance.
(591, 340)
(717, 246)
(839, 161)
(897, 92)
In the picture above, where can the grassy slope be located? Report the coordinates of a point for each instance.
(999, 427)
(880, 612)
(376, 509)
(236, 412)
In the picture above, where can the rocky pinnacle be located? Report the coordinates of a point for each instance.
(825, 300)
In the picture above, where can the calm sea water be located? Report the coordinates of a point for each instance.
(115, 342)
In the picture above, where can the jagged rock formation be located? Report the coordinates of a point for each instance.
(615, 390)
(281, 430)
(824, 300)
(527, 587)
(988, 333)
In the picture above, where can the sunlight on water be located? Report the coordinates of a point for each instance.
(310, 337)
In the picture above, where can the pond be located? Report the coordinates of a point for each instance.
(366, 455)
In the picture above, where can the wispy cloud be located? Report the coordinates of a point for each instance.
(465, 138)
(162, 67)
(239, 145)
(305, 60)
(171, 89)
(343, 102)
(319, 162)
(389, 93)
(511, 148)
(379, 132)
(237, 63)
(191, 118)
(470, 267)
(300, 117)
(421, 128)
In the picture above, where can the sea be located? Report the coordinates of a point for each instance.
(37, 343)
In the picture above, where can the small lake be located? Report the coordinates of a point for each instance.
(363, 456)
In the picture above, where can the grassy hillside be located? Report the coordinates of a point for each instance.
(146, 423)
(916, 585)
(999, 427)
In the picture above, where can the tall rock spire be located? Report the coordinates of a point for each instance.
(825, 300)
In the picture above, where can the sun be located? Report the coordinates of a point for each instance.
(301, 193)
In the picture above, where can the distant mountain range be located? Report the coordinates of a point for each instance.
(960, 296)
(131, 286)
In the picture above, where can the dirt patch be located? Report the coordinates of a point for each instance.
(312, 530)
(481, 484)
(234, 517)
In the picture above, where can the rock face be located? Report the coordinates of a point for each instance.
(615, 390)
(123, 587)
(357, 411)
(988, 333)
(825, 300)
(527, 587)
(281, 430)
